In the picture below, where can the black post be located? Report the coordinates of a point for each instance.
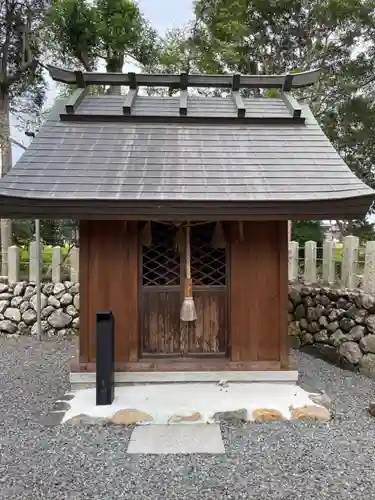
(105, 358)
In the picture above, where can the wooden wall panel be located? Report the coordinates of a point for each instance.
(258, 282)
(111, 254)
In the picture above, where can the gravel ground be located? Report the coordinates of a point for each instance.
(268, 461)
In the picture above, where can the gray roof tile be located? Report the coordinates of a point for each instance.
(181, 161)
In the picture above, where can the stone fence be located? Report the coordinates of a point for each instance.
(345, 264)
(338, 325)
(335, 322)
(59, 266)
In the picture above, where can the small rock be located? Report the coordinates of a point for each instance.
(313, 327)
(367, 301)
(29, 291)
(299, 312)
(310, 413)
(337, 338)
(83, 419)
(59, 319)
(6, 296)
(303, 323)
(332, 327)
(24, 306)
(3, 287)
(58, 289)
(66, 299)
(371, 409)
(19, 288)
(194, 417)
(323, 321)
(370, 322)
(23, 328)
(3, 305)
(232, 417)
(367, 343)
(76, 301)
(356, 333)
(346, 324)
(351, 351)
(7, 326)
(29, 316)
(43, 301)
(72, 311)
(74, 289)
(367, 365)
(294, 328)
(13, 314)
(52, 301)
(75, 322)
(16, 301)
(322, 336)
(290, 307)
(47, 311)
(267, 415)
(48, 289)
(294, 296)
(130, 417)
(306, 339)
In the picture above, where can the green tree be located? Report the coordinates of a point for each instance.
(22, 85)
(88, 34)
(307, 230)
(253, 36)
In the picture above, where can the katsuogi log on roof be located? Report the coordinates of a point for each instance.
(218, 158)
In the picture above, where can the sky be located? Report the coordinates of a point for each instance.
(172, 14)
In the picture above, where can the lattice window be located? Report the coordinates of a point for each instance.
(208, 264)
(161, 262)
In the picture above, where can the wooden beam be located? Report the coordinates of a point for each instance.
(241, 110)
(293, 107)
(129, 101)
(286, 82)
(264, 120)
(183, 102)
(75, 100)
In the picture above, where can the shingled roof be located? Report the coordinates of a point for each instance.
(134, 156)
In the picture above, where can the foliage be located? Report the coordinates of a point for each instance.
(309, 230)
(21, 47)
(53, 232)
(253, 36)
(86, 33)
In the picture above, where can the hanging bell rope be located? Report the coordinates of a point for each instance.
(188, 312)
(218, 236)
(146, 235)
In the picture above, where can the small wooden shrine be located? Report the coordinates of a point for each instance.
(183, 205)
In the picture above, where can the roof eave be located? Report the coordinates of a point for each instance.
(342, 208)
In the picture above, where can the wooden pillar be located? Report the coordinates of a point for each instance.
(259, 293)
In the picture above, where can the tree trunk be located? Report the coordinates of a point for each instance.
(6, 165)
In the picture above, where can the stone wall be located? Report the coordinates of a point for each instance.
(336, 324)
(333, 323)
(59, 309)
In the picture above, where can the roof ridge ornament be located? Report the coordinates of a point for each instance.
(285, 82)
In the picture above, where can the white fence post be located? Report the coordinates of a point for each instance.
(369, 273)
(310, 262)
(13, 264)
(56, 264)
(33, 262)
(74, 265)
(349, 262)
(329, 260)
(293, 261)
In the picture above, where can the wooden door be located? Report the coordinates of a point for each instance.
(163, 271)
